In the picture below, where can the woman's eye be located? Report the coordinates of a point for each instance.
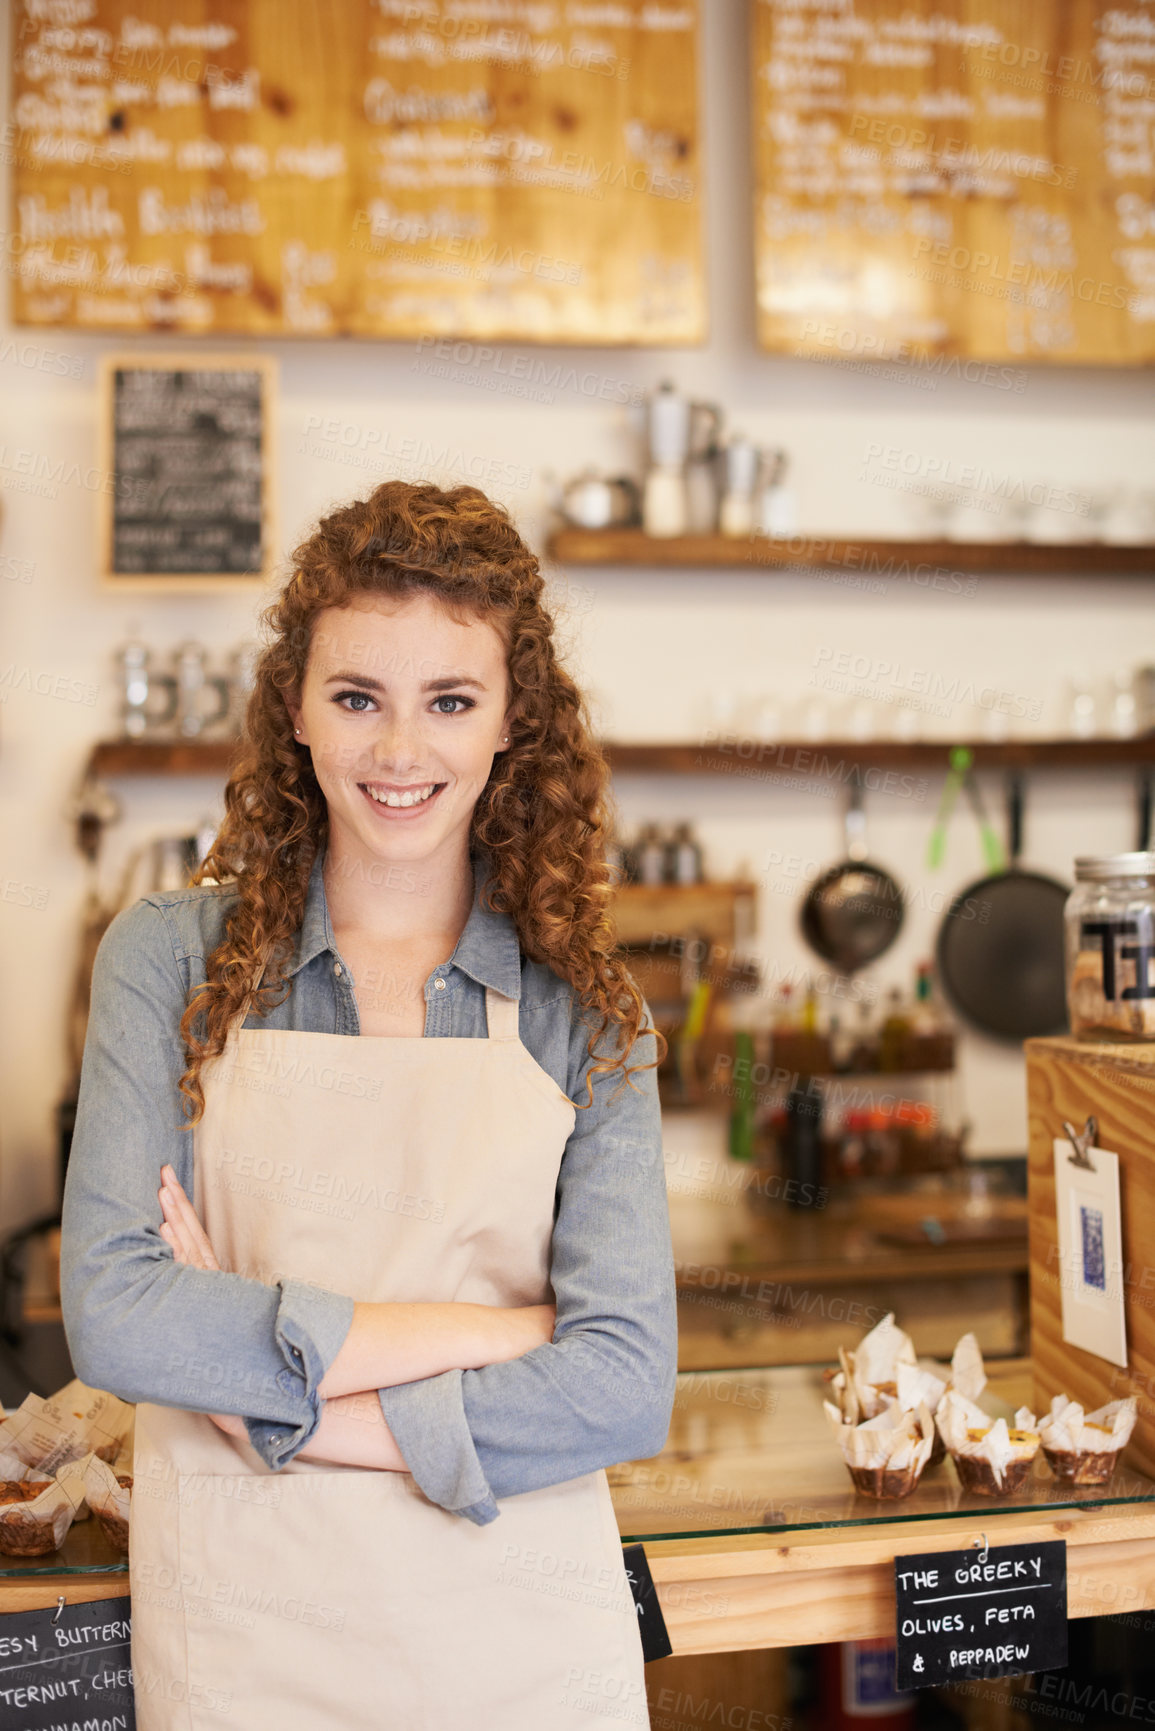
(362, 695)
(448, 698)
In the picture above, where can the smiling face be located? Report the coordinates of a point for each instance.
(403, 711)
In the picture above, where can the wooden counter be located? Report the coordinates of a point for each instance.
(825, 1572)
(756, 1538)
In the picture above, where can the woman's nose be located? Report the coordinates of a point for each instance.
(397, 741)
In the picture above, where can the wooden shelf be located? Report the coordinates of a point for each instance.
(708, 910)
(755, 759)
(897, 559)
(162, 756)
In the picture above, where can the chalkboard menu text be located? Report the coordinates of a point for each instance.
(187, 442)
(995, 1612)
(67, 1667)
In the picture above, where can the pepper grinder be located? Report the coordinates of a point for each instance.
(743, 461)
(664, 495)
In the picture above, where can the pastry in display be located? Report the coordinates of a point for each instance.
(885, 1455)
(914, 1385)
(106, 1493)
(868, 1381)
(21, 1490)
(75, 1421)
(883, 1370)
(991, 1457)
(967, 1376)
(1084, 1449)
(113, 1523)
(35, 1513)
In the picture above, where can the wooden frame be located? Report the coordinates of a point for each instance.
(152, 582)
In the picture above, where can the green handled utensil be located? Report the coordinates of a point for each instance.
(960, 762)
(961, 775)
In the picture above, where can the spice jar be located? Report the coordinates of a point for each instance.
(1110, 948)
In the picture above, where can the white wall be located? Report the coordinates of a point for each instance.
(653, 645)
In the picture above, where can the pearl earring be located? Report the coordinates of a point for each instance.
(296, 730)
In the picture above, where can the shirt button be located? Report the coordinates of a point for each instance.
(439, 985)
(337, 968)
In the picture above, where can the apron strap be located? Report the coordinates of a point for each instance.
(501, 1015)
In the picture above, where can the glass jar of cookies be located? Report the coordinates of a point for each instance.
(1110, 948)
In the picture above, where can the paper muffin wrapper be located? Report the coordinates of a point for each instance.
(886, 1483)
(34, 1528)
(1082, 1466)
(109, 1499)
(1067, 1429)
(978, 1474)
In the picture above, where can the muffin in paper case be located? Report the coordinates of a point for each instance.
(75, 1421)
(966, 1375)
(107, 1493)
(867, 1381)
(990, 1457)
(885, 1455)
(36, 1510)
(1084, 1449)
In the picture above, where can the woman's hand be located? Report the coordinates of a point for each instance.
(230, 1422)
(181, 1228)
(190, 1243)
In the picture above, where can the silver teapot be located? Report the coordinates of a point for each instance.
(593, 501)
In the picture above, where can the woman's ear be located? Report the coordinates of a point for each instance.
(294, 709)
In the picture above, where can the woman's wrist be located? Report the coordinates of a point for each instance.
(353, 1432)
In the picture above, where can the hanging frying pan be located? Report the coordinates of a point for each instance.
(1000, 945)
(854, 911)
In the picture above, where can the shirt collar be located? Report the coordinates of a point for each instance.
(487, 950)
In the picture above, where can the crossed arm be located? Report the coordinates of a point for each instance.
(386, 1344)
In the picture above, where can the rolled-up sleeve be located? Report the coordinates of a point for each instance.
(603, 1390)
(138, 1323)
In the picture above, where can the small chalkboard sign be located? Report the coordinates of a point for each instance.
(651, 1623)
(998, 1612)
(67, 1667)
(187, 499)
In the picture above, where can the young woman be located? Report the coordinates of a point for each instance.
(389, 1305)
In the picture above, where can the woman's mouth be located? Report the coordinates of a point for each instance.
(400, 802)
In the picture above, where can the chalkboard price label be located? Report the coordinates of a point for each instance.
(71, 1669)
(997, 1612)
(651, 1623)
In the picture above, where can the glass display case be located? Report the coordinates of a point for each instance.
(752, 1452)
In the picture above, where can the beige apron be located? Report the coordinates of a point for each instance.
(334, 1598)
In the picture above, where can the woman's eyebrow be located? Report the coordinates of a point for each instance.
(429, 685)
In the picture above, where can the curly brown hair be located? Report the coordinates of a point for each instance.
(543, 815)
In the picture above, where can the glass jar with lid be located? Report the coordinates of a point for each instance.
(1110, 948)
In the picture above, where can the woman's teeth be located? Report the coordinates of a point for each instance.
(413, 797)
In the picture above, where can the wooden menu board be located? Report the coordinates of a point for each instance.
(956, 177)
(186, 444)
(369, 167)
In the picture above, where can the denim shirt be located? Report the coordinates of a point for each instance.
(148, 1328)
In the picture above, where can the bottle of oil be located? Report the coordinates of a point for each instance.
(894, 1034)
